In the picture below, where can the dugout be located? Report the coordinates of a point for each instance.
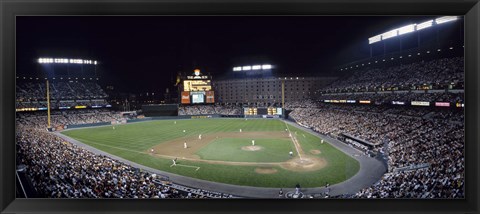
(159, 110)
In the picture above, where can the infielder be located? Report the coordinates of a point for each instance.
(185, 145)
(200, 136)
(291, 153)
(240, 130)
(253, 142)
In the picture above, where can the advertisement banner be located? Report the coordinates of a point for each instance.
(185, 97)
(364, 101)
(210, 96)
(398, 103)
(420, 103)
(351, 101)
(442, 104)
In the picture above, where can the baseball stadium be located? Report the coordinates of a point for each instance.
(388, 124)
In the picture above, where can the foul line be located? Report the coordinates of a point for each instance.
(294, 140)
(197, 167)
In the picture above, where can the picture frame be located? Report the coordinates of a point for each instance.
(10, 9)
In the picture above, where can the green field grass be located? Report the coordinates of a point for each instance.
(129, 141)
(229, 149)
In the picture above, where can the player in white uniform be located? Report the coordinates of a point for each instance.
(291, 153)
(253, 142)
(174, 162)
(185, 145)
(240, 130)
(200, 136)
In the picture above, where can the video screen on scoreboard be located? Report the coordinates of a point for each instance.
(198, 97)
(197, 85)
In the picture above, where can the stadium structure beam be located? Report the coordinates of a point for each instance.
(48, 105)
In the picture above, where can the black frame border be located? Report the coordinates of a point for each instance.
(9, 9)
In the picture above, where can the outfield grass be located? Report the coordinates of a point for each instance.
(131, 140)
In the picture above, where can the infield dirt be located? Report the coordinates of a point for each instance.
(175, 148)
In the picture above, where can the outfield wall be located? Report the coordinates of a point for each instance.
(87, 125)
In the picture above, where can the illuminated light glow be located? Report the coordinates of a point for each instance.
(424, 25)
(247, 68)
(389, 34)
(451, 48)
(409, 55)
(445, 19)
(374, 39)
(439, 50)
(256, 67)
(95, 62)
(267, 66)
(406, 29)
(428, 51)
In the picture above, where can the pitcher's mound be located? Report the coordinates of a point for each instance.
(264, 170)
(251, 148)
(315, 151)
(308, 163)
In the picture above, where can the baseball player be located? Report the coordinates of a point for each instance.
(240, 130)
(291, 153)
(253, 142)
(200, 136)
(185, 145)
(174, 162)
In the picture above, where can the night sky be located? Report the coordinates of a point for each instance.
(139, 54)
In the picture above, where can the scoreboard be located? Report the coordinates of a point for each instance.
(262, 111)
(197, 89)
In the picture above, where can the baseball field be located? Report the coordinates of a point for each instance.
(253, 152)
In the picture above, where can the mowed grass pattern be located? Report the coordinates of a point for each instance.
(230, 149)
(131, 140)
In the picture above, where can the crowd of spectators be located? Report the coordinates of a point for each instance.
(409, 136)
(56, 104)
(59, 90)
(398, 96)
(68, 117)
(32, 94)
(435, 72)
(59, 169)
(210, 110)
